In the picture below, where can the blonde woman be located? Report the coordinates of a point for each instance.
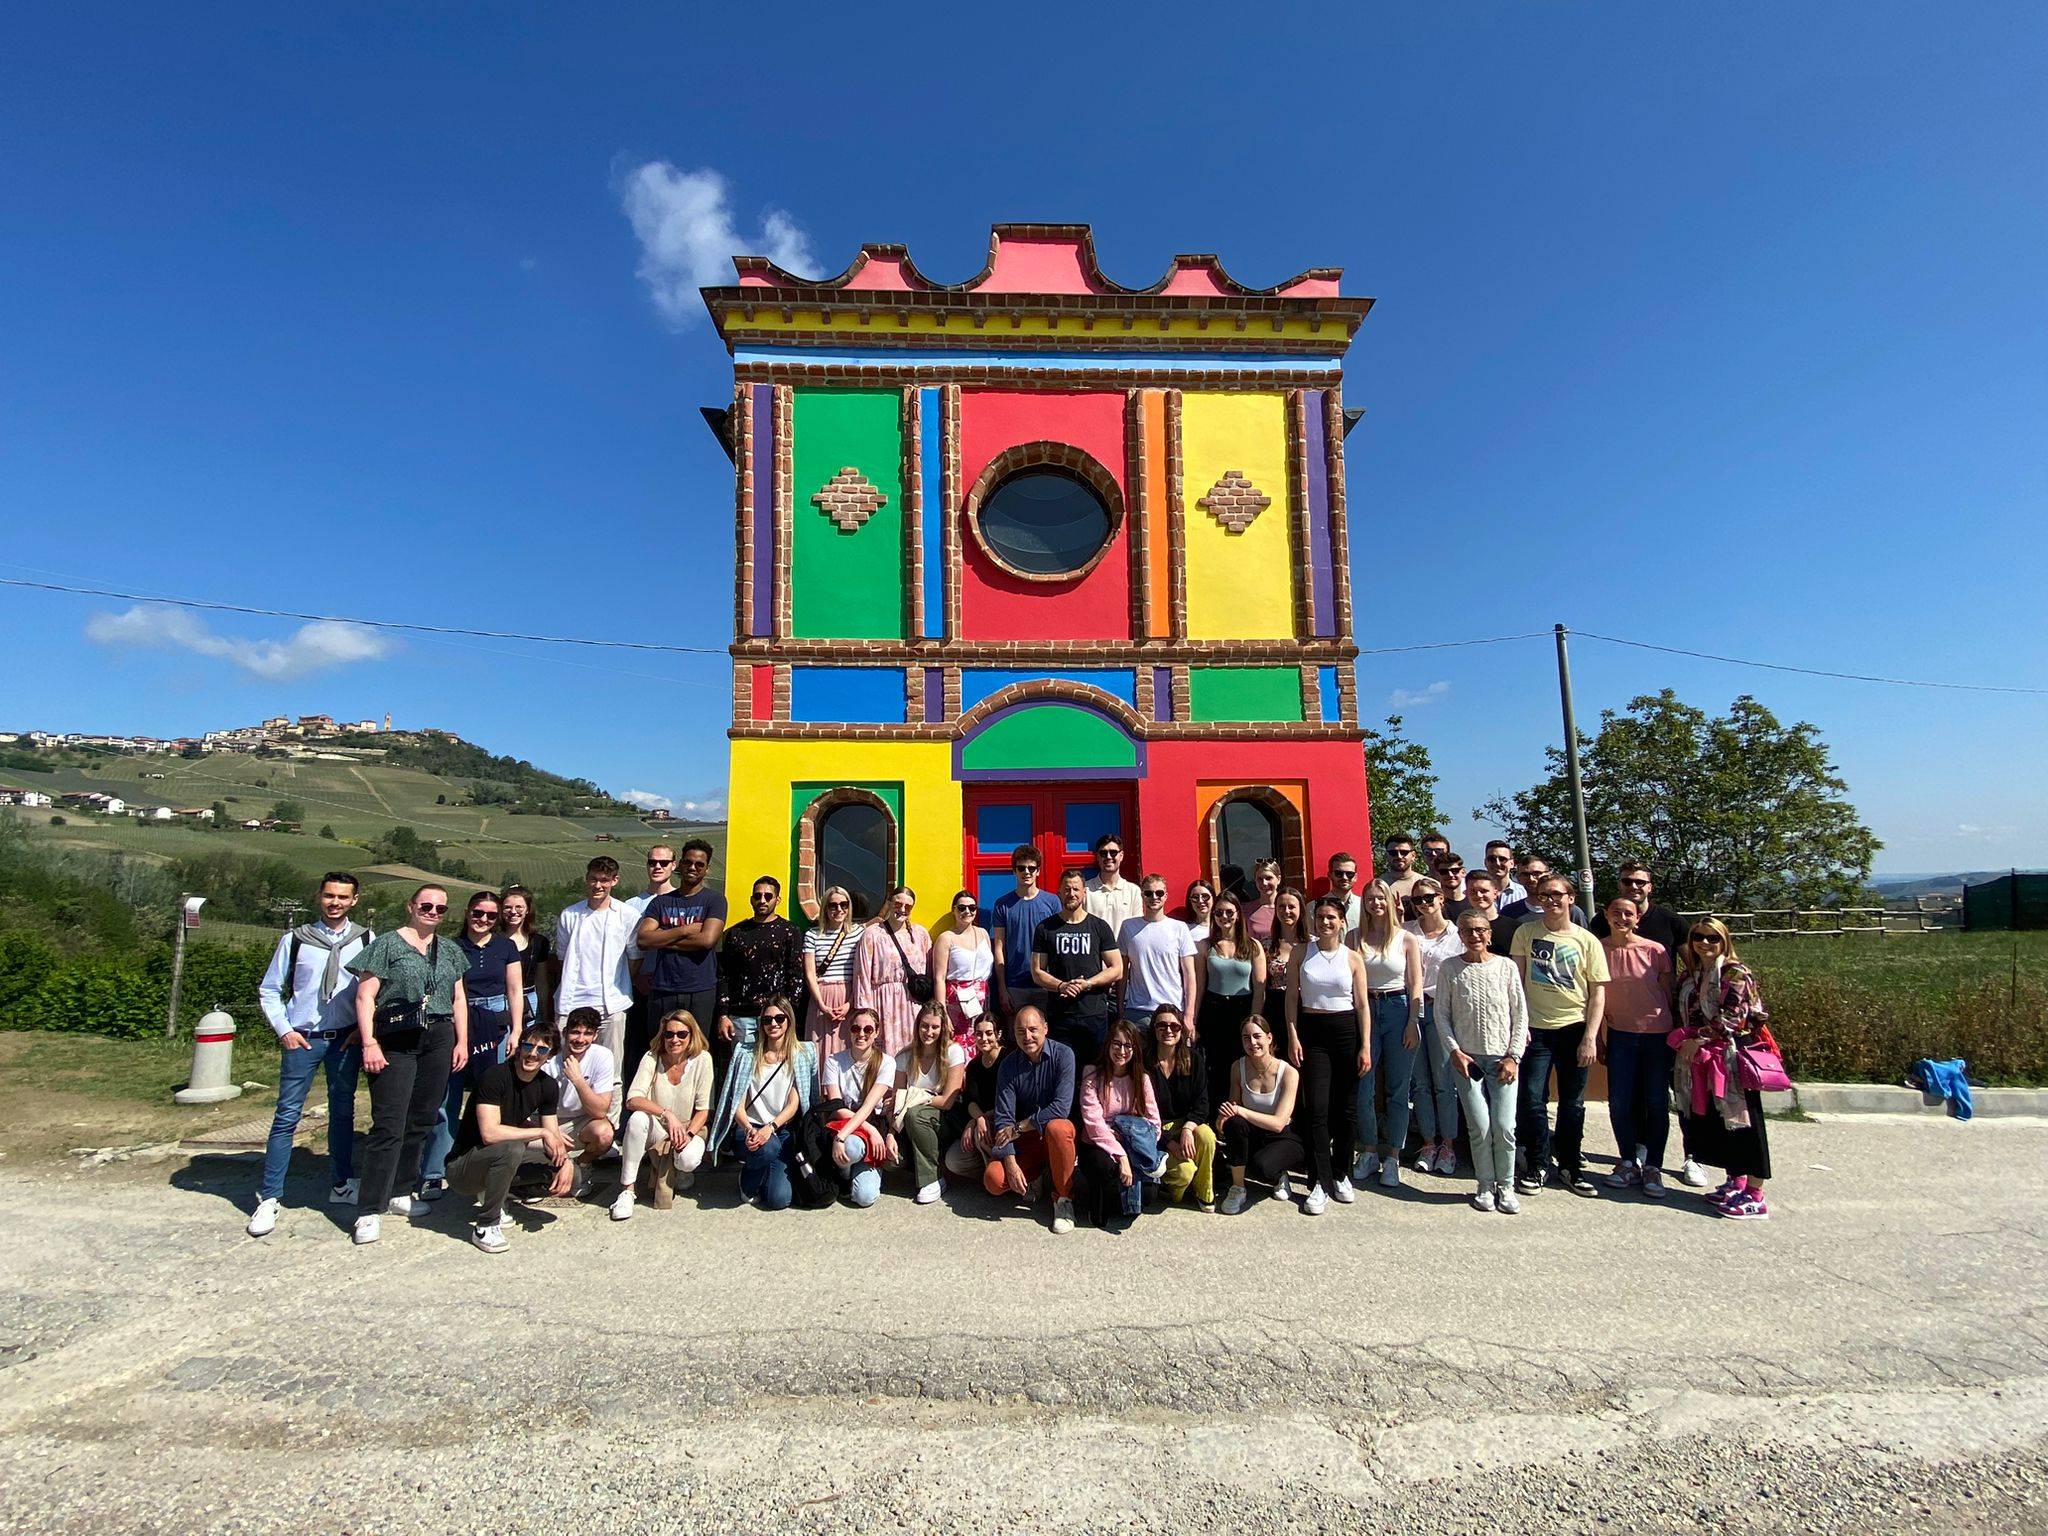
(828, 968)
(1230, 985)
(857, 1085)
(668, 1107)
(772, 1080)
(1720, 1016)
(929, 1076)
(1393, 982)
(893, 955)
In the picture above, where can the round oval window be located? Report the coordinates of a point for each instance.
(1045, 522)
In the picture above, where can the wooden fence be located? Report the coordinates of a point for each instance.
(1927, 915)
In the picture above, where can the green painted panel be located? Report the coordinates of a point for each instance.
(846, 584)
(1050, 736)
(1244, 693)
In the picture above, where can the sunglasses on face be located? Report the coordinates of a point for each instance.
(675, 1034)
(1161, 1026)
(1343, 874)
(965, 906)
(835, 906)
(659, 863)
(431, 908)
(764, 898)
(774, 1018)
(860, 1030)
(1634, 880)
(1425, 900)
(1706, 938)
(1155, 895)
(486, 913)
(534, 1048)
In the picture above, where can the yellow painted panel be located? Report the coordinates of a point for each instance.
(758, 832)
(883, 320)
(1240, 585)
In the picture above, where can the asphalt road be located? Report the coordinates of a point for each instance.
(1874, 1356)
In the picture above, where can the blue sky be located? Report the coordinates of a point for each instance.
(1719, 327)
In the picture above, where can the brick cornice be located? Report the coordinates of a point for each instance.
(1328, 651)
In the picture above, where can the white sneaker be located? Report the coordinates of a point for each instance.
(490, 1239)
(929, 1193)
(1693, 1176)
(405, 1205)
(264, 1219)
(1367, 1165)
(1234, 1202)
(1343, 1193)
(1506, 1201)
(1317, 1202)
(1390, 1174)
(622, 1208)
(1284, 1190)
(1062, 1217)
(1624, 1175)
(366, 1229)
(1446, 1160)
(345, 1192)
(1483, 1200)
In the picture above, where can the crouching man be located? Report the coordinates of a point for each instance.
(511, 1119)
(589, 1108)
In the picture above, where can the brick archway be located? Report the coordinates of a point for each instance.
(806, 893)
(1293, 837)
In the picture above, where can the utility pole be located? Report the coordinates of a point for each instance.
(188, 917)
(1571, 768)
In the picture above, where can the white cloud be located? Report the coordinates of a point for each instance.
(1971, 832)
(709, 808)
(647, 800)
(1409, 698)
(683, 221)
(310, 648)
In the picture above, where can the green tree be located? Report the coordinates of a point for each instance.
(1731, 813)
(287, 810)
(1400, 784)
(328, 833)
(220, 814)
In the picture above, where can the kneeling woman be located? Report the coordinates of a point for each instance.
(1119, 1129)
(773, 1078)
(1180, 1081)
(929, 1075)
(969, 1135)
(1256, 1119)
(857, 1085)
(667, 1109)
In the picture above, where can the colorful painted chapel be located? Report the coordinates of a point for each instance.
(1034, 557)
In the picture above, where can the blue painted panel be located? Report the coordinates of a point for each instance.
(933, 492)
(1087, 820)
(1326, 687)
(978, 683)
(999, 828)
(991, 885)
(846, 695)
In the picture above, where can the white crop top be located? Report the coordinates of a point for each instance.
(1325, 979)
(1264, 1103)
(1386, 970)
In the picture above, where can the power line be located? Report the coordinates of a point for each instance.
(1779, 666)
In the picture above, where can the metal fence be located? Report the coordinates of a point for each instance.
(2013, 902)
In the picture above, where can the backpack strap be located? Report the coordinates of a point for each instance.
(291, 971)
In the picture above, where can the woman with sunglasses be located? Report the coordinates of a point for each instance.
(1180, 1084)
(1327, 1002)
(970, 1138)
(1290, 937)
(667, 1109)
(891, 952)
(1721, 1013)
(929, 1075)
(772, 1079)
(857, 1085)
(963, 959)
(1230, 982)
(1256, 1118)
(1201, 902)
(828, 968)
(1119, 1140)
(493, 986)
(414, 1025)
(1639, 1059)
(536, 951)
(1433, 1093)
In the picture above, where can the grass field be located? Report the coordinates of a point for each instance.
(1931, 963)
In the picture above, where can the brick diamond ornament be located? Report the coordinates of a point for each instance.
(849, 499)
(1234, 501)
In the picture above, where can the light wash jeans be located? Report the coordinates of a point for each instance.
(343, 1057)
(1435, 1095)
(863, 1179)
(1490, 1118)
(1394, 1063)
(1140, 1138)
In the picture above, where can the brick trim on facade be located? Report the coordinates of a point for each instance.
(806, 893)
(1044, 454)
(1051, 690)
(912, 477)
(1293, 845)
(785, 476)
(1176, 524)
(1137, 475)
(1340, 528)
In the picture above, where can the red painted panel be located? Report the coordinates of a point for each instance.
(761, 704)
(1337, 820)
(998, 606)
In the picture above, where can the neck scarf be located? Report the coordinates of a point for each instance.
(319, 936)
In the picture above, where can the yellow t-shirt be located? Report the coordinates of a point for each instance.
(1562, 970)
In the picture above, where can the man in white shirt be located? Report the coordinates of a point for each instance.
(1344, 886)
(661, 872)
(589, 1110)
(308, 997)
(593, 954)
(1159, 958)
(1500, 863)
(1111, 897)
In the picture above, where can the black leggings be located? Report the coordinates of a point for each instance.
(1266, 1156)
(405, 1100)
(1221, 1035)
(1329, 1093)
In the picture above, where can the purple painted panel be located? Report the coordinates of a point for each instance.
(1162, 693)
(1321, 569)
(763, 619)
(934, 694)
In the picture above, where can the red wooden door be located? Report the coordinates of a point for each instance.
(1063, 820)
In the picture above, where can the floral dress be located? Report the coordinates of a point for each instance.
(878, 972)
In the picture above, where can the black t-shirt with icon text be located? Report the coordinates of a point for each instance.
(1074, 952)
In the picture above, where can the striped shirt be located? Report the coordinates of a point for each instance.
(818, 944)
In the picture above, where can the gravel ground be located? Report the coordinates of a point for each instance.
(1876, 1356)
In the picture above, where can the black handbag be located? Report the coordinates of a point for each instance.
(917, 980)
(401, 1022)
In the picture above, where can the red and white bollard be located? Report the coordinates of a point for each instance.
(213, 1062)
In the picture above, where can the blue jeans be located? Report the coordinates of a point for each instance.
(1140, 1138)
(1435, 1098)
(489, 1039)
(1393, 1062)
(343, 1056)
(1548, 1050)
(1639, 1094)
(1490, 1116)
(764, 1172)
(863, 1179)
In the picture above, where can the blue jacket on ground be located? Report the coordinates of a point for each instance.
(1950, 1079)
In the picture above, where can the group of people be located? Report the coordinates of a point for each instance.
(1081, 1044)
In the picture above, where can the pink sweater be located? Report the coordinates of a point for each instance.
(1099, 1108)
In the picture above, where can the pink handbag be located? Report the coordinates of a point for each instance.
(1761, 1070)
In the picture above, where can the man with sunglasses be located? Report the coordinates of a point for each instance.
(1564, 976)
(678, 934)
(1660, 924)
(594, 955)
(1343, 870)
(510, 1119)
(1159, 959)
(661, 870)
(1110, 896)
(1500, 863)
(763, 958)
